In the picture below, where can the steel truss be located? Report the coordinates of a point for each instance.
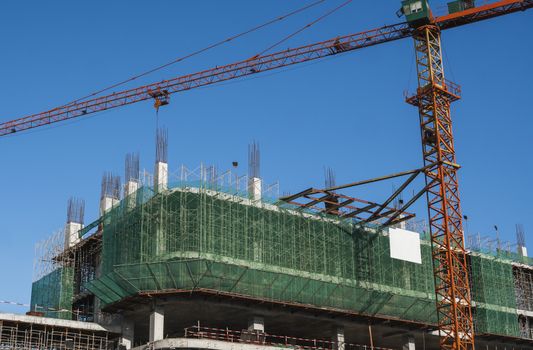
(433, 99)
(361, 210)
(160, 91)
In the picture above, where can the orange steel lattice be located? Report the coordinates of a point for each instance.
(161, 91)
(433, 99)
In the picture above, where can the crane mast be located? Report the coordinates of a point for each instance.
(433, 99)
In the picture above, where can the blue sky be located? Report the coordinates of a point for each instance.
(347, 112)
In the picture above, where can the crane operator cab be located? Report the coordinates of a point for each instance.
(460, 5)
(416, 12)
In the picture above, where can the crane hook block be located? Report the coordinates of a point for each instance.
(161, 98)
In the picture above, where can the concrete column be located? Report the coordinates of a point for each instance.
(403, 224)
(256, 324)
(106, 204)
(127, 335)
(160, 184)
(160, 176)
(157, 323)
(408, 342)
(522, 251)
(130, 189)
(254, 188)
(338, 338)
(71, 233)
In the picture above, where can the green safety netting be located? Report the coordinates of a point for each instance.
(257, 249)
(493, 291)
(197, 237)
(52, 293)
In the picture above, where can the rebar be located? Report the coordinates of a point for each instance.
(329, 178)
(254, 160)
(161, 145)
(75, 210)
(132, 167)
(520, 235)
(110, 186)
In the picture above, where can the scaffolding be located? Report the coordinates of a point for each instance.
(86, 260)
(523, 278)
(205, 233)
(20, 335)
(60, 275)
(494, 294)
(197, 237)
(495, 247)
(53, 281)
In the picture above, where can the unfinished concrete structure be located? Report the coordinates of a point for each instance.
(213, 261)
(32, 332)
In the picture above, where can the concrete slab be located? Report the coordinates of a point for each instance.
(54, 322)
(209, 344)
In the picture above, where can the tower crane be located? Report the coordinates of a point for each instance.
(433, 98)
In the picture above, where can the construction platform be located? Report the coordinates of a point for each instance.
(33, 332)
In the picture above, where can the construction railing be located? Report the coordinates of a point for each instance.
(262, 338)
(27, 337)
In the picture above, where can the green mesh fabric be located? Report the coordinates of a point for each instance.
(52, 293)
(204, 274)
(494, 294)
(193, 238)
(259, 250)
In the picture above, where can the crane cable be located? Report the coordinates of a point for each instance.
(15, 303)
(219, 43)
(330, 12)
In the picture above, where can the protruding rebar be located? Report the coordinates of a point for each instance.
(75, 210)
(254, 160)
(132, 167)
(110, 186)
(161, 145)
(520, 235)
(329, 177)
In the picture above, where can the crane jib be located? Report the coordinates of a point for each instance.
(257, 64)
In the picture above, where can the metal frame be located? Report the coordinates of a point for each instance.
(433, 99)
(160, 91)
(366, 212)
(262, 338)
(29, 335)
(476, 14)
(346, 207)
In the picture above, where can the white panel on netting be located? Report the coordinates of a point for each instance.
(405, 245)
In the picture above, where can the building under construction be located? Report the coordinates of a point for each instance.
(212, 260)
(202, 259)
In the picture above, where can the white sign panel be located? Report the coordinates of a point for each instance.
(405, 245)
